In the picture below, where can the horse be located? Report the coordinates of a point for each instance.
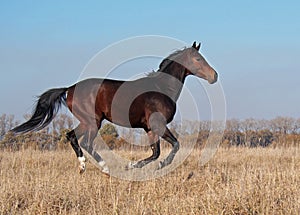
(148, 103)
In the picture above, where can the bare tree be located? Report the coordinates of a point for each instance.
(233, 125)
(283, 125)
(2, 125)
(7, 122)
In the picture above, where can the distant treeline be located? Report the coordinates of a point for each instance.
(281, 131)
(278, 132)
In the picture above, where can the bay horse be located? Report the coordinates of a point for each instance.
(148, 103)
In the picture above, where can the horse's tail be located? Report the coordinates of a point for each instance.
(47, 107)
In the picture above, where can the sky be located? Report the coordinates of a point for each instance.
(253, 45)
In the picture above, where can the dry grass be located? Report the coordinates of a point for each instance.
(236, 181)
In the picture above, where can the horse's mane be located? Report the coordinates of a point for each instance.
(165, 62)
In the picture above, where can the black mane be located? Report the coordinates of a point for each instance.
(165, 62)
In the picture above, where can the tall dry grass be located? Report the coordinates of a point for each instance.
(235, 181)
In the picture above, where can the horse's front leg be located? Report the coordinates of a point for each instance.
(168, 136)
(155, 147)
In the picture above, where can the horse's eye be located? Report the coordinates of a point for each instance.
(198, 59)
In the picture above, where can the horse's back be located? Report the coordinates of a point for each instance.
(91, 97)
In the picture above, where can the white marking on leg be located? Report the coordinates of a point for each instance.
(81, 159)
(102, 163)
(105, 168)
(81, 164)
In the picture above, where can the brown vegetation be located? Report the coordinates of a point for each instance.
(235, 181)
(38, 173)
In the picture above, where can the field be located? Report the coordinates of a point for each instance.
(235, 181)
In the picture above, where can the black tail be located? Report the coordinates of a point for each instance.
(45, 110)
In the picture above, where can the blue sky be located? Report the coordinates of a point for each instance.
(254, 46)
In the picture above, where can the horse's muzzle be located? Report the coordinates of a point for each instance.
(214, 79)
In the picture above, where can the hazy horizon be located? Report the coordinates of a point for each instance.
(254, 47)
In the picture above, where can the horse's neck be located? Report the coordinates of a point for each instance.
(171, 80)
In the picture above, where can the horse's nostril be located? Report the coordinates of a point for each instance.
(216, 76)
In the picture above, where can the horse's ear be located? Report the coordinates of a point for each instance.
(198, 47)
(194, 45)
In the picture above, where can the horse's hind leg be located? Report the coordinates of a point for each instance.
(73, 137)
(155, 147)
(88, 144)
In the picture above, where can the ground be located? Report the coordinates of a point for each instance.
(235, 181)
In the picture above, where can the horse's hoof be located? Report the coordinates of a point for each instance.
(105, 171)
(81, 168)
(131, 165)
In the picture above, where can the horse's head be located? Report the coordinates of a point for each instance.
(197, 65)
